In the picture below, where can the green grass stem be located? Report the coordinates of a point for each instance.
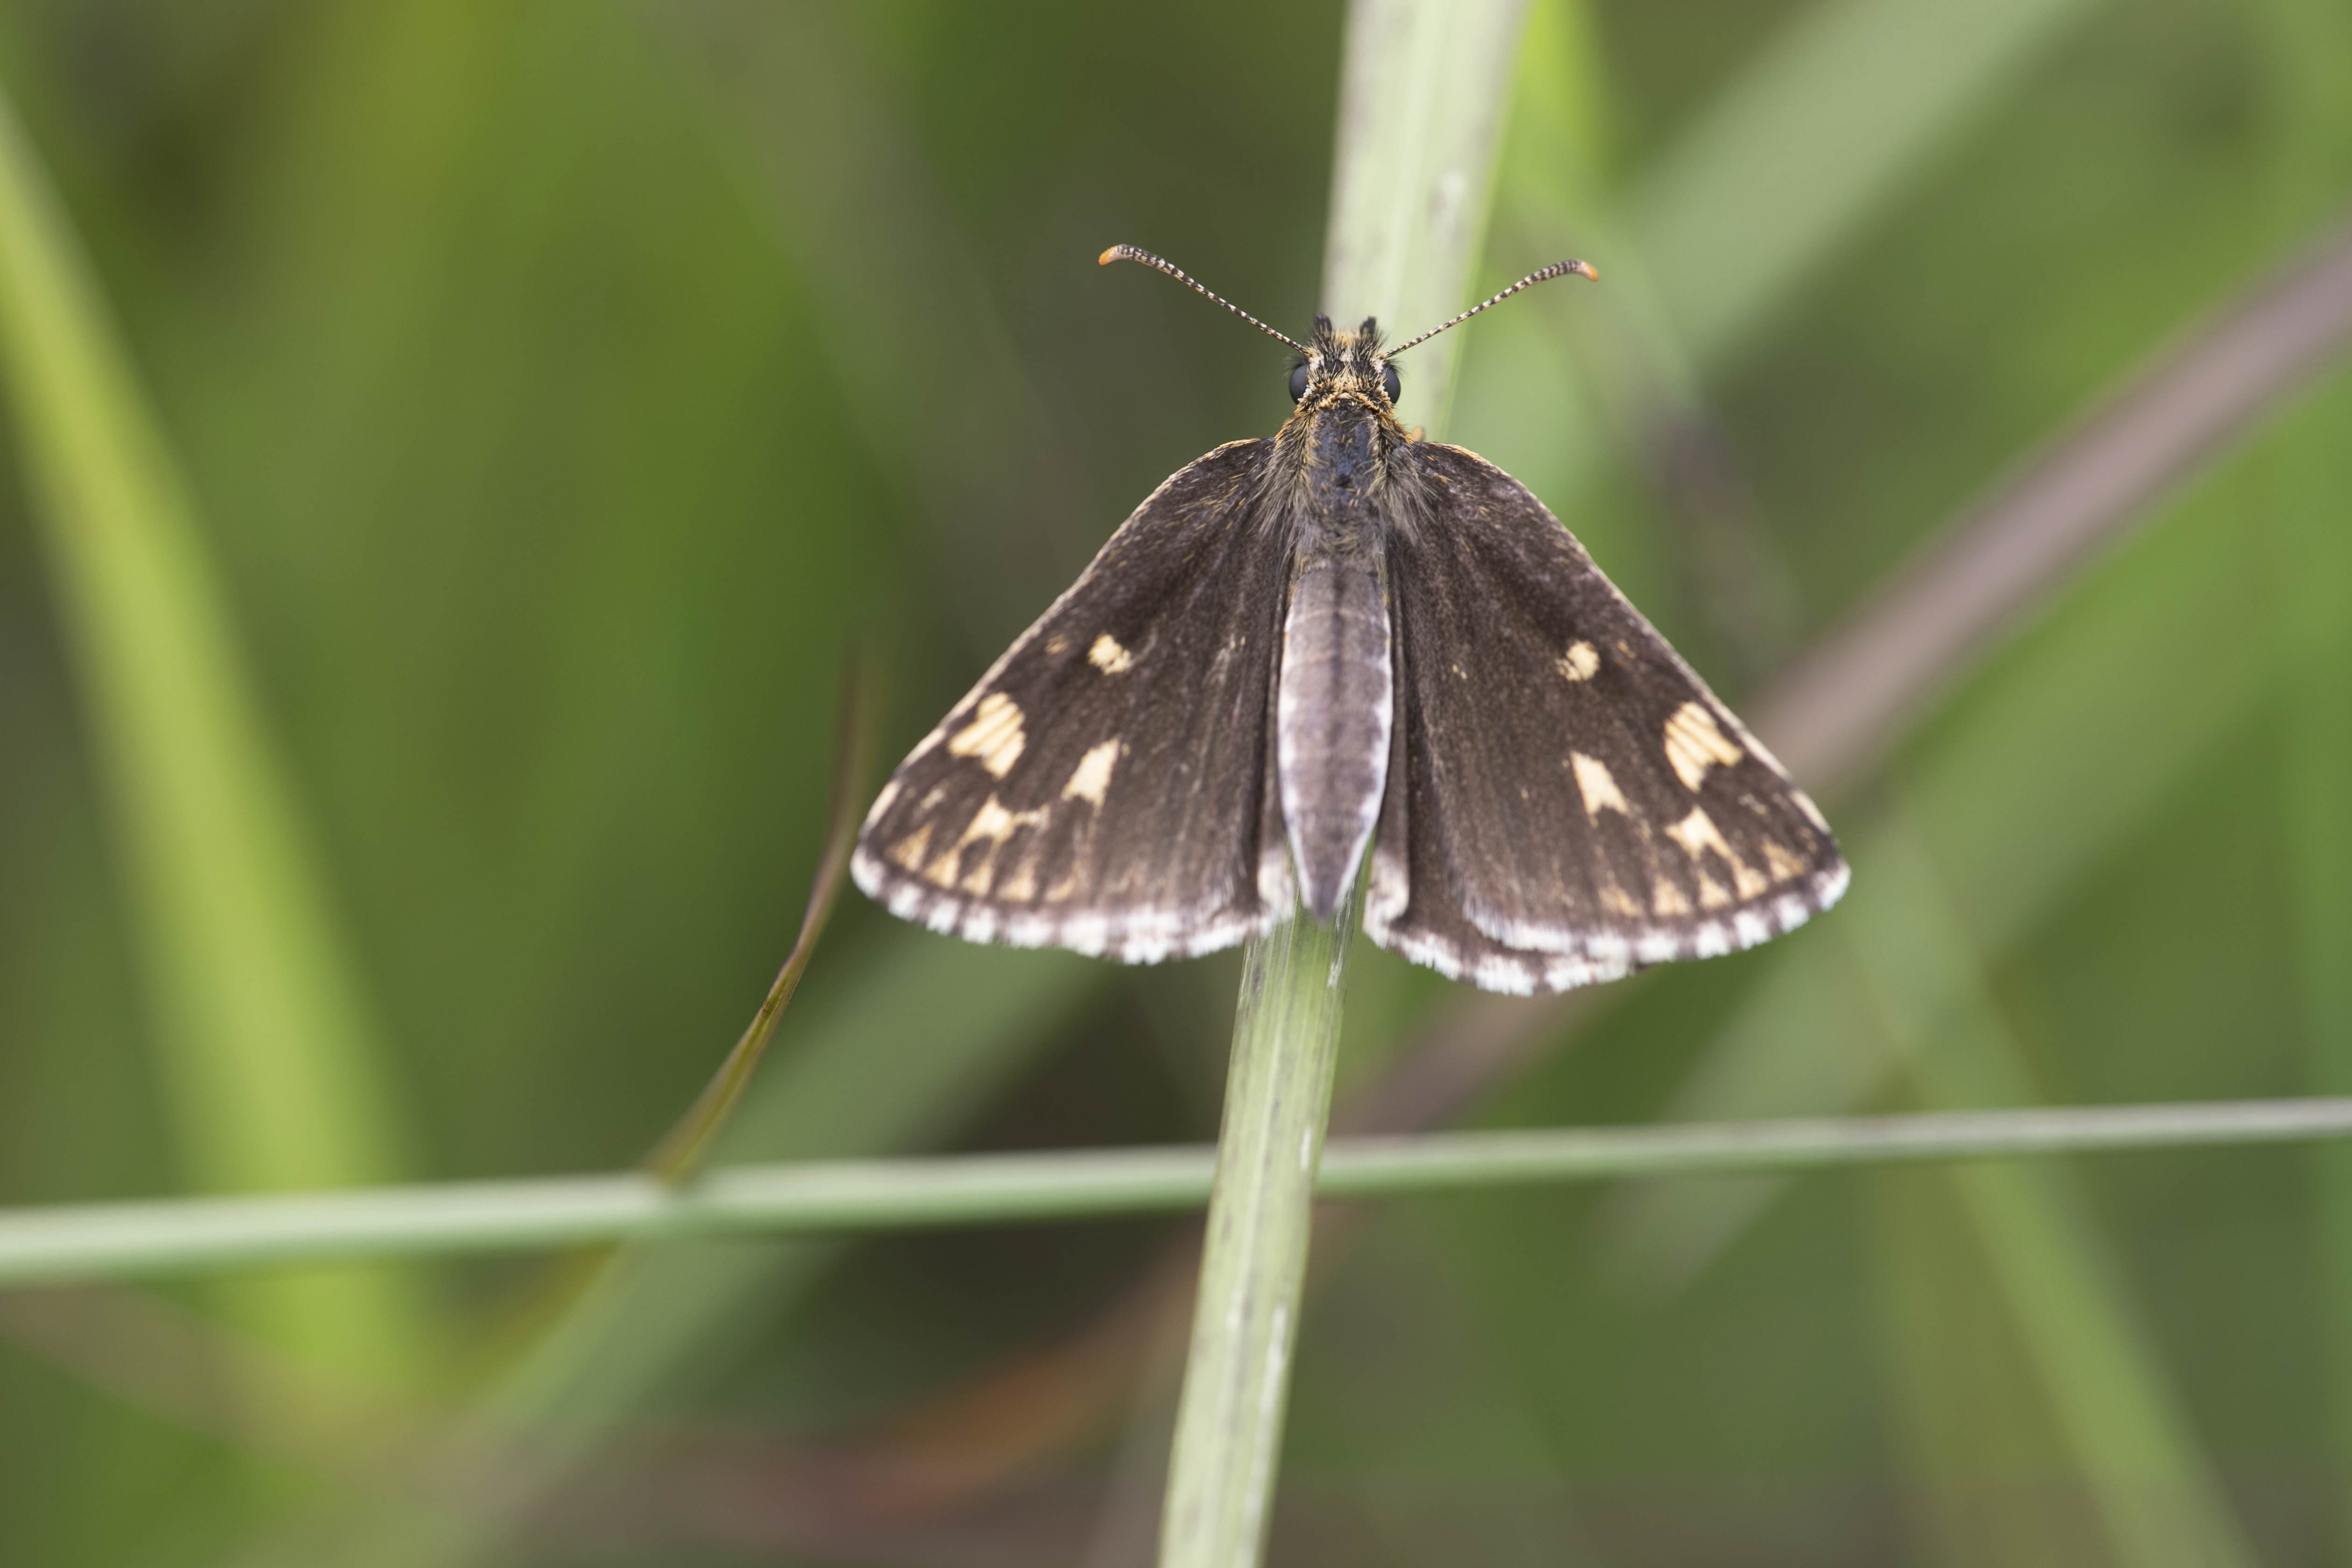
(184, 1235)
(1254, 1262)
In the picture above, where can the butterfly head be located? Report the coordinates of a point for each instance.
(1339, 369)
(1335, 370)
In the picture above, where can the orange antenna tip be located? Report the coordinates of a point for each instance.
(1557, 269)
(1160, 264)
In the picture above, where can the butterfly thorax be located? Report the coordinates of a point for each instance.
(1334, 449)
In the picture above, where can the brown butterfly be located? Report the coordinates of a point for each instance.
(1336, 641)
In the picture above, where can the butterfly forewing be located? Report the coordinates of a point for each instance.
(1105, 787)
(1567, 801)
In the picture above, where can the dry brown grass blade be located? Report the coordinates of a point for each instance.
(682, 1150)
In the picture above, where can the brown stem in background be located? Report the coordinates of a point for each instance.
(1836, 712)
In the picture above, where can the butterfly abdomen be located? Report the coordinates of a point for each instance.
(1333, 714)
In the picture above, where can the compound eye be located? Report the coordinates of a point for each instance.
(1388, 383)
(1297, 381)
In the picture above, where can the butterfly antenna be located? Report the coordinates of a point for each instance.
(1131, 253)
(1557, 269)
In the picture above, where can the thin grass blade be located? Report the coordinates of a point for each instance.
(270, 1061)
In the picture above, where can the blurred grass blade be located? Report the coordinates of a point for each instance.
(1792, 158)
(269, 1068)
(1424, 90)
(2161, 1503)
(2308, 56)
(680, 1153)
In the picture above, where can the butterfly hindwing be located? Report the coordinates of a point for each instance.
(1566, 800)
(1106, 785)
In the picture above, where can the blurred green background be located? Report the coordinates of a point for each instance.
(543, 395)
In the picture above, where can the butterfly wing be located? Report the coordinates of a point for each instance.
(1105, 787)
(1566, 800)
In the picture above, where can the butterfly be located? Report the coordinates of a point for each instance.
(1345, 640)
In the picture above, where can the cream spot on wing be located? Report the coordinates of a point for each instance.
(1058, 644)
(994, 735)
(1021, 886)
(1711, 895)
(992, 825)
(908, 851)
(1600, 790)
(1666, 899)
(1697, 832)
(1580, 661)
(1781, 863)
(1093, 776)
(1619, 901)
(996, 824)
(1109, 657)
(1694, 744)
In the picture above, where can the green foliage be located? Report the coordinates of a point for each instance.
(553, 388)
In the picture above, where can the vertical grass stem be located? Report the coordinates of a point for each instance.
(1253, 1267)
(270, 1062)
(1423, 97)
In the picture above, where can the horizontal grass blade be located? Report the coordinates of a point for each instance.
(88, 1241)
